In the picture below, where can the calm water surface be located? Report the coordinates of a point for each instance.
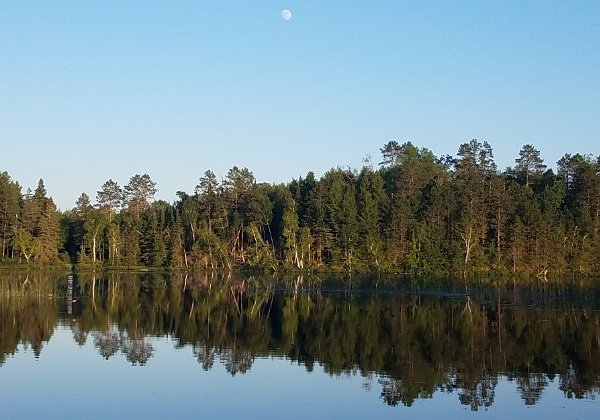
(197, 346)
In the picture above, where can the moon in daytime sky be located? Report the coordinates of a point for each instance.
(286, 14)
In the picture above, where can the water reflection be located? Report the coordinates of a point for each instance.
(137, 349)
(412, 344)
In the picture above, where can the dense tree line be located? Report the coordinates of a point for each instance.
(415, 212)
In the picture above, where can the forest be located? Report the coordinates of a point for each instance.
(412, 213)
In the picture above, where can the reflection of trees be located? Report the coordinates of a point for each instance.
(237, 360)
(108, 343)
(28, 311)
(205, 355)
(531, 386)
(137, 349)
(479, 392)
(79, 335)
(413, 345)
(394, 391)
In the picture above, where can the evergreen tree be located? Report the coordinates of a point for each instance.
(110, 197)
(40, 223)
(206, 191)
(176, 250)
(529, 163)
(10, 198)
(475, 169)
(79, 216)
(139, 192)
(290, 229)
(416, 213)
(371, 208)
(237, 191)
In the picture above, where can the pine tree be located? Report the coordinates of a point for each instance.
(139, 193)
(529, 163)
(371, 205)
(10, 196)
(40, 219)
(110, 198)
(290, 229)
(206, 193)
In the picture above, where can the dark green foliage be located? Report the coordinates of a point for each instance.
(417, 213)
(10, 208)
(37, 234)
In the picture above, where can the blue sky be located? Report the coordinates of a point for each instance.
(92, 90)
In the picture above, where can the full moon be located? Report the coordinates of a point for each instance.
(286, 14)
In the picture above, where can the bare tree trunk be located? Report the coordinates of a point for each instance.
(4, 233)
(271, 237)
(498, 234)
(94, 248)
(469, 243)
(241, 242)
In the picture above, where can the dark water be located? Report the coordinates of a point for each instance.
(196, 346)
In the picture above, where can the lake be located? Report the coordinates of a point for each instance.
(156, 345)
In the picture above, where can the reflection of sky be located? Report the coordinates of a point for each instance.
(76, 382)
